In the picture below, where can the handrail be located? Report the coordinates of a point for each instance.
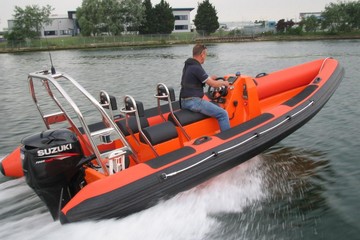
(166, 96)
(134, 110)
(46, 78)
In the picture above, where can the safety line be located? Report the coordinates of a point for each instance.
(214, 154)
(323, 63)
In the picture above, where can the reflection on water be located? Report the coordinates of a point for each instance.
(288, 169)
(297, 180)
(293, 181)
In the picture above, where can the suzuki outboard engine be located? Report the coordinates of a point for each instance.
(50, 164)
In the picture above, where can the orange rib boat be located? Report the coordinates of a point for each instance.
(127, 159)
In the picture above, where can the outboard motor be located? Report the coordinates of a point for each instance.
(50, 164)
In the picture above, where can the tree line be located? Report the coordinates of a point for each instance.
(340, 17)
(113, 17)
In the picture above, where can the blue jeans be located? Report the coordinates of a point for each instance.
(196, 104)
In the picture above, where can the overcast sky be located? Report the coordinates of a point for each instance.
(228, 10)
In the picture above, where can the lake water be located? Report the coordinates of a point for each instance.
(305, 187)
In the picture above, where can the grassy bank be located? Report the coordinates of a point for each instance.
(79, 42)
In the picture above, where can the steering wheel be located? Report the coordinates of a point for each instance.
(216, 93)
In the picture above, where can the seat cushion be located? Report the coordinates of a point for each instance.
(186, 117)
(131, 124)
(160, 133)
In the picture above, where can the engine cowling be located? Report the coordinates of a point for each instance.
(50, 165)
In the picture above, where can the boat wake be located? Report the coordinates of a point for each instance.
(188, 215)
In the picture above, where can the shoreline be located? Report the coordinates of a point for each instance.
(172, 42)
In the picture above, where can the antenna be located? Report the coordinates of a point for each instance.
(53, 71)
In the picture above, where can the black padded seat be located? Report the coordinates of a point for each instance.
(185, 117)
(159, 133)
(132, 124)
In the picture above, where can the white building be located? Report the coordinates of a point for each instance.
(60, 26)
(259, 28)
(66, 25)
(304, 15)
(182, 19)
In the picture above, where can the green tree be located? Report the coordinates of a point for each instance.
(206, 19)
(89, 17)
(353, 12)
(110, 16)
(132, 14)
(283, 26)
(341, 16)
(97, 16)
(147, 26)
(110, 19)
(311, 23)
(29, 21)
(165, 20)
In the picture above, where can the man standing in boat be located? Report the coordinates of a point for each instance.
(193, 80)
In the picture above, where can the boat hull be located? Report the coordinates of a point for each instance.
(262, 110)
(246, 141)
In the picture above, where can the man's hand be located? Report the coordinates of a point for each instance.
(212, 82)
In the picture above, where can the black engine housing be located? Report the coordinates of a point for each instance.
(50, 165)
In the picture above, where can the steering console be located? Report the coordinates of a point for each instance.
(215, 94)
